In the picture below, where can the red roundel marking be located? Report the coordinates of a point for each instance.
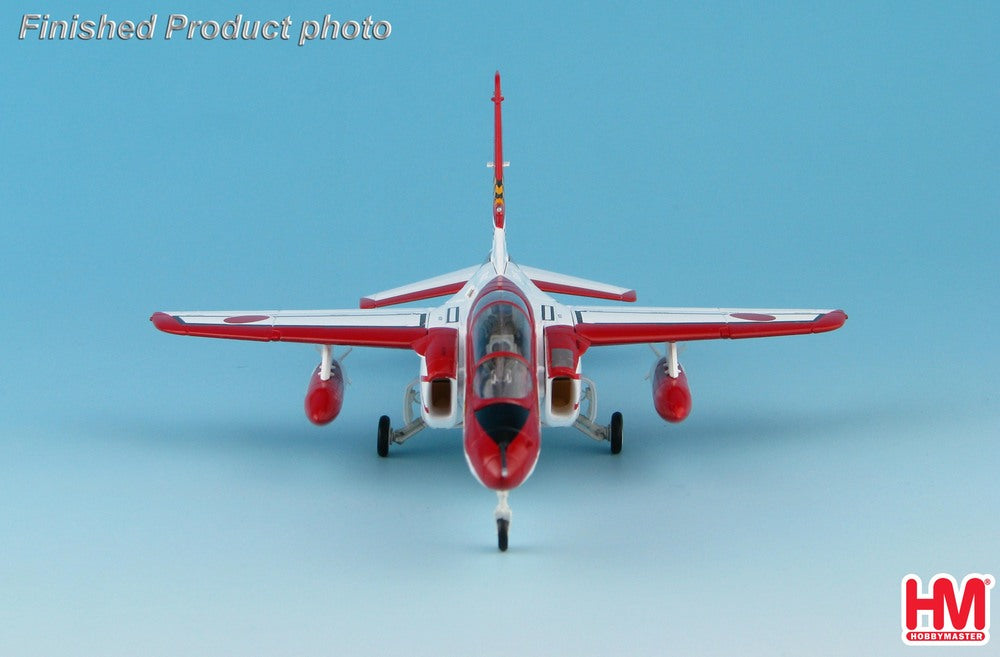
(750, 317)
(244, 319)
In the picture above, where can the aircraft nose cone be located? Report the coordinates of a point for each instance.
(502, 421)
(502, 444)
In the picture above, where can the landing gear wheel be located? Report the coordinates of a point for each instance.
(502, 526)
(383, 436)
(615, 432)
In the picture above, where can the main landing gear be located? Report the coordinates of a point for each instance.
(615, 432)
(413, 423)
(585, 422)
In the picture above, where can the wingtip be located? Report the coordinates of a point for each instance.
(367, 303)
(629, 296)
(831, 321)
(166, 323)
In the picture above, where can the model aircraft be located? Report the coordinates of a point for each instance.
(500, 357)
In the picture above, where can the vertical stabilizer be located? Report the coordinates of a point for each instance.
(499, 253)
(498, 163)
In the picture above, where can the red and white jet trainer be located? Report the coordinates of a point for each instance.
(500, 358)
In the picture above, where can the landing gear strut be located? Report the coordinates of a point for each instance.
(413, 423)
(502, 514)
(585, 422)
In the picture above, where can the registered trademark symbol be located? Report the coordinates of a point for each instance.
(987, 581)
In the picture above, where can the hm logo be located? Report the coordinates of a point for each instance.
(947, 614)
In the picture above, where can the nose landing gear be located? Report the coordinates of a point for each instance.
(502, 514)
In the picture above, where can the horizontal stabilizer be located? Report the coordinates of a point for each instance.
(550, 281)
(439, 286)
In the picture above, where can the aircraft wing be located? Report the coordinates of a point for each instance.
(605, 325)
(359, 328)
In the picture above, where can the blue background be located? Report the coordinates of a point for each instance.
(164, 496)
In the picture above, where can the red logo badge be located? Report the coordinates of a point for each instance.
(946, 613)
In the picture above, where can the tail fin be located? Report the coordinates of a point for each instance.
(498, 255)
(498, 163)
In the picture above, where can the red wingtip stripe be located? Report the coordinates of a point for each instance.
(167, 323)
(830, 321)
(170, 324)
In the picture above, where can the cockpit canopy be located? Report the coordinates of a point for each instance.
(501, 347)
(502, 377)
(501, 325)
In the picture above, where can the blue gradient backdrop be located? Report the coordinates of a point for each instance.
(166, 496)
